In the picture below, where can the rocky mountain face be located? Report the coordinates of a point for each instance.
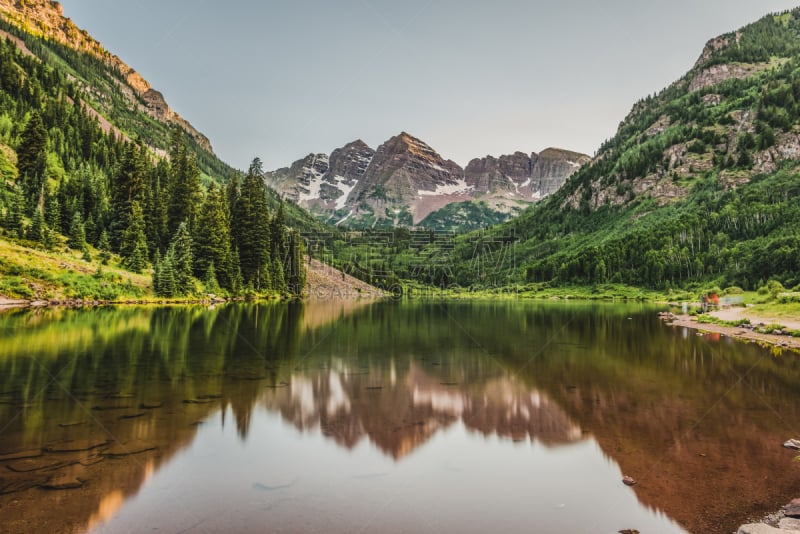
(45, 18)
(705, 122)
(405, 181)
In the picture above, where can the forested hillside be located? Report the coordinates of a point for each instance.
(700, 185)
(72, 178)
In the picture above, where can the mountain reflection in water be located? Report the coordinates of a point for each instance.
(386, 416)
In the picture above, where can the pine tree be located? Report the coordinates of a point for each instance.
(32, 161)
(128, 187)
(38, 228)
(276, 274)
(212, 237)
(210, 282)
(14, 213)
(184, 187)
(166, 275)
(105, 248)
(77, 233)
(250, 228)
(156, 208)
(52, 210)
(133, 246)
(181, 252)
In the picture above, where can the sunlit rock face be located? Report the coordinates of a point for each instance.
(405, 180)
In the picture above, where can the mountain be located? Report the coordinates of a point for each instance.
(112, 91)
(699, 185)
(100, 181)
(405, 182)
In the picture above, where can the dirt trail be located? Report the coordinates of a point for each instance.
(736, 314)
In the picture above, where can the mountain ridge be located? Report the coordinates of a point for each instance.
(404, 181)
(45, 18)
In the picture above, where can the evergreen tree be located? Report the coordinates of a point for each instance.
(133, 246)
(32, 160)
(250, 228)
(212, 237)
(77, 233)
(180, 251)
(184, 190)
(276, 274)
(105, 248)
(13, 220)
(128, 187)
(210, 281)
(52, 210)
(166, 275)
(156, 208)
(38, 228)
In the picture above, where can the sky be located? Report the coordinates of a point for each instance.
(280, 79)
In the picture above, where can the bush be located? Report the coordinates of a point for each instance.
(732, 290)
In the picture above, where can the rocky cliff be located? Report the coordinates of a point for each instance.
(404, 181)
(45, 18)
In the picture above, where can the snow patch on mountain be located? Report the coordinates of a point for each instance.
(460, 187)
(341, 185)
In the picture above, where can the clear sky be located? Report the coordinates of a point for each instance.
(279, 79)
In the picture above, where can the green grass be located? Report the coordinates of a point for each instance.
(27, 272)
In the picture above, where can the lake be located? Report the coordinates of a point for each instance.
(413, 416)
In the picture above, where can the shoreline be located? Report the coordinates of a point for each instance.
(734, 332)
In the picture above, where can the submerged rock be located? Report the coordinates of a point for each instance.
(793, 444)
(37, 464)
(792, 509)
(79, 445)
(136, 446)
(628, 481)
(19, 455)
(70, 478)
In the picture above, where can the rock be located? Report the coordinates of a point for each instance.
(16, 484)
(70, 478)
(793, 444)
(37, 464)
(760, 528)
(792, 509)
(78, 445)
(132, 415)
(150, 405)
(71, 423)
(789, 523)
(628, 481)
(19, 455)
(629, 531)
(136, 446)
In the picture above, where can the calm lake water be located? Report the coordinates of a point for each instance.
(388, 417)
